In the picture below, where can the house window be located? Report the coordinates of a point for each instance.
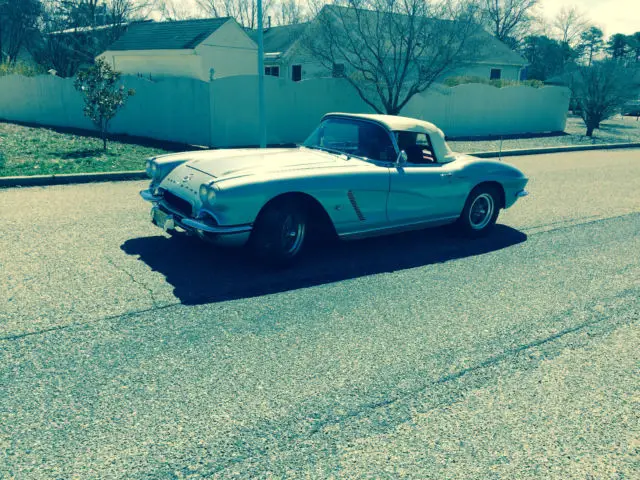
(296, 73)
(496, 74)
(274, 71)
(338, 70)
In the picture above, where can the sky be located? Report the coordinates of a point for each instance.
(612, 16)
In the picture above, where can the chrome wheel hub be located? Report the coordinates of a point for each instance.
(292, 235)
(481, 211)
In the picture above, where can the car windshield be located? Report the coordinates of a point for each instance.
(353, 137)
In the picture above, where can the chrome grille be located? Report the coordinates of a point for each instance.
(177, 203)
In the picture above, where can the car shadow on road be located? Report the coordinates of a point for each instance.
(201, 273)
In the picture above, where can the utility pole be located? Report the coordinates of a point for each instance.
(261, 108)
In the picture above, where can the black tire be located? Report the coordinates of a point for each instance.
(279, 234)
(480, 211)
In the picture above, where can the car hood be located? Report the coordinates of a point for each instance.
(227, 164)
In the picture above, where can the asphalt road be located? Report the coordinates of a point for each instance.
(128, 354)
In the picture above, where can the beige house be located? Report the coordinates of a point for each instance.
(200, 49)
(285, 56)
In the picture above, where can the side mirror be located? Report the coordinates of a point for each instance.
(402, 159)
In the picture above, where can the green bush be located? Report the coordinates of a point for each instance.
(20, 68)
(3, 160)
(462, 80)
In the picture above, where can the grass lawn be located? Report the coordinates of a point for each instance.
(42, 151)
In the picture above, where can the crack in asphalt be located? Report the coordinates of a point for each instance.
(39, 332)
(121, 269)
(569, 223)
(491, 361)
(117, 316)
(156, 307)
(367, 409)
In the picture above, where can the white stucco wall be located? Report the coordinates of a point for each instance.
(293, 109)
(224, 113)
(229, 51)
(477, 110)
(174, 109)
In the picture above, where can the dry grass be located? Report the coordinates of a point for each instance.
(43, 151)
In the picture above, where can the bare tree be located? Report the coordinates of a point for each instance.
(244, 11)
(600, 90)
(569, 24)
(508, 20)
(174, 10)
(289, 12)
(392, 49)
(18, 26)
(74, 33)
(125, 11)
(84, 13)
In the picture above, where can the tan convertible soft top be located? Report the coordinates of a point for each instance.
(406, 124)
(396, 123)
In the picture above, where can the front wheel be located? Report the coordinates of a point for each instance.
(279, 234)
(480, 211)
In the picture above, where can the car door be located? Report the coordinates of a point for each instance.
(428, 192)
(355, 195)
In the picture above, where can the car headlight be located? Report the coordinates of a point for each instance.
(207, 195)
(158, 169)
(152, 168)
(203, 193)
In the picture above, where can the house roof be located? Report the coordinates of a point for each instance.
(278, 39)
(181, 35)
(498, 52)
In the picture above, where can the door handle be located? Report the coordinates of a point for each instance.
(448, 174)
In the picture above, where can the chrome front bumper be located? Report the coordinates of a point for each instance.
(149, 196)
(172, 219)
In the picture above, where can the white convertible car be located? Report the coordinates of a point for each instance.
(355, 176)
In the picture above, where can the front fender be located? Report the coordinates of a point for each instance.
(349, 200)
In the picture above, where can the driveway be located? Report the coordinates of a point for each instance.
(125, 353)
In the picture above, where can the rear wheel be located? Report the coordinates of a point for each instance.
(480, 211)
(279, 233)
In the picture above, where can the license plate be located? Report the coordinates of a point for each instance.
(163, 220)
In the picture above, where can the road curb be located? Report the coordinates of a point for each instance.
(68, 179)
(75, 178)
(542, 151)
